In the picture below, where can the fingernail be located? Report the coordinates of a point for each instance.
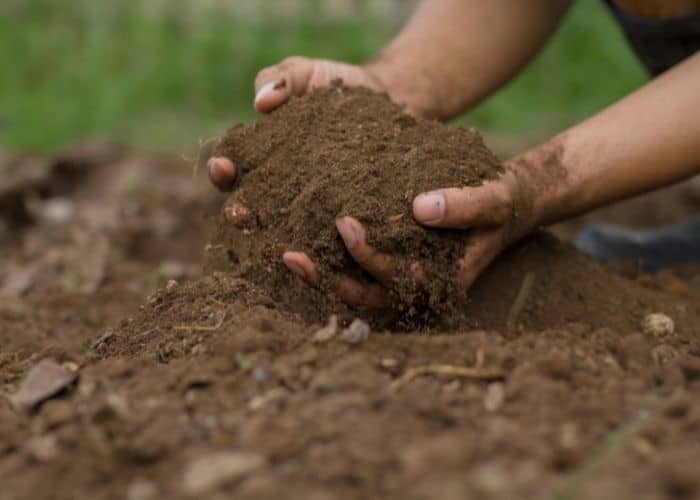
(265, 90)
(296, 269)
(221, 170)
(347, 232)
(429, 208)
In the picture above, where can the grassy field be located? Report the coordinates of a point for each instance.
(168, 75)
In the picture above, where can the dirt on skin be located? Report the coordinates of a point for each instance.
(211, 388)
(347, 151)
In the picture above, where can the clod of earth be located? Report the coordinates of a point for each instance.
(345, 151)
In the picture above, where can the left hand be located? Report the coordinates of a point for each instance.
(493, 216)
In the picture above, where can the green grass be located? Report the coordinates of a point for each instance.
(170, 76)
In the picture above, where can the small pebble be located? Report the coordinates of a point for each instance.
(495, 395)
(356, 333)
(71, 366)
(658, 325)
(141, 489)
(172, 270)
(171, 285)
(208, 472)
(58, 210)
(389, 364)
(328, 332)
(260, 375)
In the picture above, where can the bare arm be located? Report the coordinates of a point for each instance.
(646, 141)
(451, 55)
(454, 53)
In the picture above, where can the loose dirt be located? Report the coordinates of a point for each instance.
(347, 151)
(194, 385)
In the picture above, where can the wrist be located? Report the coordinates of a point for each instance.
(543, 179)
(403, 84)
(525, 207)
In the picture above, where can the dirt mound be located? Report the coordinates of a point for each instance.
(347, 151)
(351, 151)
(211, 389)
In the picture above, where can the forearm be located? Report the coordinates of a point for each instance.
(453, 53)
(646, 141)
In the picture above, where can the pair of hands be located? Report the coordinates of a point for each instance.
(493, 215)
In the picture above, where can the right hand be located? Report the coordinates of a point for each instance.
(276, 84)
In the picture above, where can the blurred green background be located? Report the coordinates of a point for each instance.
(166, 74)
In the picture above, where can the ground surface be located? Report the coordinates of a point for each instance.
(207, 388)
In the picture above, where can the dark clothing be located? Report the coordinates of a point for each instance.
(660, 43)
(654, 249)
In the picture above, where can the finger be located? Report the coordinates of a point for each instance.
(222, 172)
(481, 250)
(276, 84)
(462, 208)
(238, 214)
(301, 265)
(383, 267)
(380, 265)
(347, 289)
(355, 294)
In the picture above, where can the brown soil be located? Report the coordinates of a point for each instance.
(347, 151)
(211, 388)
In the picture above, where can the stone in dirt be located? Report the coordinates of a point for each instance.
(658, 325)
(356, 333)
(45, 380)
(211, 471)
(328, 332)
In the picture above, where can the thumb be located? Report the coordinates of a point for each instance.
(461, 208)
(276, 84)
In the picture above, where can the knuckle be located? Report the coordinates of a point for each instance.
(289, 62)
(364, 254)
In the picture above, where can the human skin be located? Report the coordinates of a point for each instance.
(438, 68)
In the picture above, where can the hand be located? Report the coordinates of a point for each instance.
(293, 76)
(494, 216)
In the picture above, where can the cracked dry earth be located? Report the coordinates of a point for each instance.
(168, 383)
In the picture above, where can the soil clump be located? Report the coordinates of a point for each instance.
(347, 151)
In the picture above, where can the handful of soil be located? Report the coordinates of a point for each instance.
(346, 151)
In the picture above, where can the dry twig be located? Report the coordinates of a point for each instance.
(473, 373)
(519, 302)
(202, 328)
(196, 161)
